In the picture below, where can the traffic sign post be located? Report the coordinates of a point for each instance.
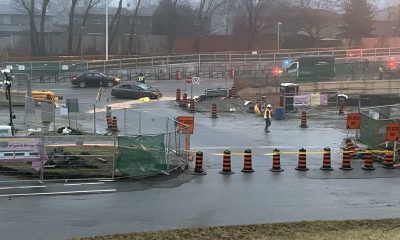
(353, 122)
(392, 134)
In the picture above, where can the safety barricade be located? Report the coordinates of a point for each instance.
(326, 161)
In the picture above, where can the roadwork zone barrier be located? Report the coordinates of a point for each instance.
(302, 164)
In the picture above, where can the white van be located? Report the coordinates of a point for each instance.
(5, 131)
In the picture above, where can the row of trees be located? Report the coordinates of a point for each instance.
(241, 17)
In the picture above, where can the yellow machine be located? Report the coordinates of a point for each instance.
(46, 96)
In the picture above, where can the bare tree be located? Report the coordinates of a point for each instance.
(114, 26)
(313, 16)
(255, 24)
(89, 5)
(71, 25)
(134, 15)
(36, 38)
(206, 9)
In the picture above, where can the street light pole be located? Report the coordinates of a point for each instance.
(279, 24)
(8, 81)
(106, 30)
(82, 43)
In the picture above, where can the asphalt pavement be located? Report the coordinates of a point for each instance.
(189, 200)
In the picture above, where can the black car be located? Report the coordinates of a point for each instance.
(95, 79)
(135, 90)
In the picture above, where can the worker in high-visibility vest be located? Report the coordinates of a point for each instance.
(141, 78)
(267, 117)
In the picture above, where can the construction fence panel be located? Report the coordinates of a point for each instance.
(373, 124)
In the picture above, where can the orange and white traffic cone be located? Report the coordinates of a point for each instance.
(326, 161)
(226, 164)
(214, 110)
(302, 164)
(247, 161)
(388, 163)
(346, 162)
(199, 164)
(303, 120)
(276, 161)
(368, 160)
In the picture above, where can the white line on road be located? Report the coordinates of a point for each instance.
(80, 184)
(58, 193)
(21, 187)
(252, 147)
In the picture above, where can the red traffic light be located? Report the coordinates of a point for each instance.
(276, 71)
(392, 64)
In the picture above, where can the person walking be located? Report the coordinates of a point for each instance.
(141, 78)
(267, 117)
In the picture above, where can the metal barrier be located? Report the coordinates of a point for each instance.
(63, 71)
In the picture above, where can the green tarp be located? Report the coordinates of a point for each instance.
(141, 155)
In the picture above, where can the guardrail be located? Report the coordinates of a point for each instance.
(200, 59)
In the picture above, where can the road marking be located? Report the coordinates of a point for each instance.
(21, 187)
(81, 184)
(58, 193)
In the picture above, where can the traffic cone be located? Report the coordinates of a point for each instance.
(114, 126)
(388, 162)
(178, 95)
(233, 92)
(192, 108)
(226, 165)
(214, 110)
(352, 148)
(368, 161)
(303, 121)
(346, 162)
(276, 161)
(184, 100)
(302, 164)
(247, 165)
(341, 107)
(109, 122)
(326, 161)
(199, 164)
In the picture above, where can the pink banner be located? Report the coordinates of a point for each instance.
(23, 149)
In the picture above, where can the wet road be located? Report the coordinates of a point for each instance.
(215, 199)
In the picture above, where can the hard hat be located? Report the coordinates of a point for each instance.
(269, 105)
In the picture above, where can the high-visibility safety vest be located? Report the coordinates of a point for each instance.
(267, 114)
(141, 79)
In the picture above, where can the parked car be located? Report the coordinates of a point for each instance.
(94, 79)
(135, 90)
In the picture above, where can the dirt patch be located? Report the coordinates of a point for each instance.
(388, 229)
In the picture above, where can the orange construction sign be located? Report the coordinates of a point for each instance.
(392, 132)
(185, 124)
(353, 121)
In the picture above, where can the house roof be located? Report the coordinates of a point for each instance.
(11, 10)
(147, 11)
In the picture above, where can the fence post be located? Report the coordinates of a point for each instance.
(167, 146)
(124, 121)
(41, 159)
(115, 158)
(140, 123)
(94, 118)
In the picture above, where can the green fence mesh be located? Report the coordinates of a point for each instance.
(141, 155)
(373, 124)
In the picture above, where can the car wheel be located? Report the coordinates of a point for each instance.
(110, 84)
(82, 84)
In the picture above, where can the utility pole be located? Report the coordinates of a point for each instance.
(8, 82)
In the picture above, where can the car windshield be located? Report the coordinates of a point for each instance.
(143, 86)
